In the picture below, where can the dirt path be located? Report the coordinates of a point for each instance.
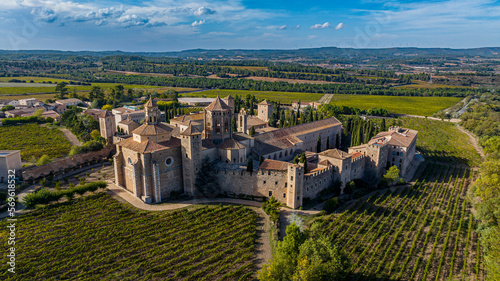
(326, 98)
(473, 141)
(72, 138)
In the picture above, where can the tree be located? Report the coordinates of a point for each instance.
(107, 107)
(38, 112)
(62, 89)
(250, 164)
(320, 259)
(318, 144)
(95, 104)
(8, 107)
(206, 182)
(303, 160)
(252, 131)
(94, 134)
(45, 159)
(261, 159)
(233, 123)
(392, 175)
(284, 263)
(383, 127)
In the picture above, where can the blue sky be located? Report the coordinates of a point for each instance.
(172, 25)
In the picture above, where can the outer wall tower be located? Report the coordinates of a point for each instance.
(191, 158)
(107, 126)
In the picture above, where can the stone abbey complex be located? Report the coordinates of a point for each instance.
(156, 158)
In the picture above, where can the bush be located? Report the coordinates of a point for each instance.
(272, 209)
(45, 196)
(331, 204)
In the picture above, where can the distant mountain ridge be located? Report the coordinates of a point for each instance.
(308, 53)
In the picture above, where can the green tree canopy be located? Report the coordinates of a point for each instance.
(392, 175)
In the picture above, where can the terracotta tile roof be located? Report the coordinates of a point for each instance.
(325, 163)
(66, 163)
(335, 153)
(127, 121)
(70, 100)
(241, 137)
(149, 146)
(231, 144)
(229, 97)
(356, 155)
(207, 144)
(191, 130)
(398, 136)
(152, 129)
(217, 105)
(90, 112)
(255, 121)
(275, 165)
(106, 114)
(264, 102)
(188, 117)
(287, 137)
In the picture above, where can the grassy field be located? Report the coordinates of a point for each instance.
(99, 238)
(443, 142)
(285, 97)
(424, 232)
(28, 90)
(424, 106)
(34, 140)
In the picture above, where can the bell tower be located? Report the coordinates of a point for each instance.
(153, 114)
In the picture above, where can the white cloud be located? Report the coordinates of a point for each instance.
(297, 27)
(198, 23)
(283, 27)
(320, 26)
(44, 14)
(339, 26)
(202, 11)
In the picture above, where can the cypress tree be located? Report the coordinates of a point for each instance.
(383, 126)
(252, 131)
(250, 164)
(318, 144)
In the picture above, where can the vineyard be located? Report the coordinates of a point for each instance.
(424, 232)
(34, 141)
(443, 142)
(97, 237)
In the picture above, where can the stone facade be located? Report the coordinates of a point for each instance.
(159, 159)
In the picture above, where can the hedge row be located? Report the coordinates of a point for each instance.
(45, 196)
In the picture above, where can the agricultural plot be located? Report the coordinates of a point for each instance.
(34, 141)
(99, 238)
(424, 232)
(424, 106)
(284, 97)
(443, 142)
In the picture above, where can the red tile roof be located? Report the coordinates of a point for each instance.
(269, 164)
(218, 105)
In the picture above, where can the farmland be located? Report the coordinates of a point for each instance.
(27, 90)
(443, 142)
(284, 97)
(424, 106)
(424, 232)
(97, 236)
(34, 141)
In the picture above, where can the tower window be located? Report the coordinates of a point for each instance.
(169, 161)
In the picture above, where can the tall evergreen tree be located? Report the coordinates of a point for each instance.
(250, 164)
(383, 126)
(318, 144)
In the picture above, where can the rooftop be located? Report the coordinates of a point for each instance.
(152, 129)
(149, 146)
(287, 137)
(335, 153)
(275, 165)
(218, 105)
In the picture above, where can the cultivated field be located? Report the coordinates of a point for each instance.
(285, 97)
(417, 84)
(34, 141)
(443, 142)
(424, 232)
(97, 237)
(28, 90)
(424, 106)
